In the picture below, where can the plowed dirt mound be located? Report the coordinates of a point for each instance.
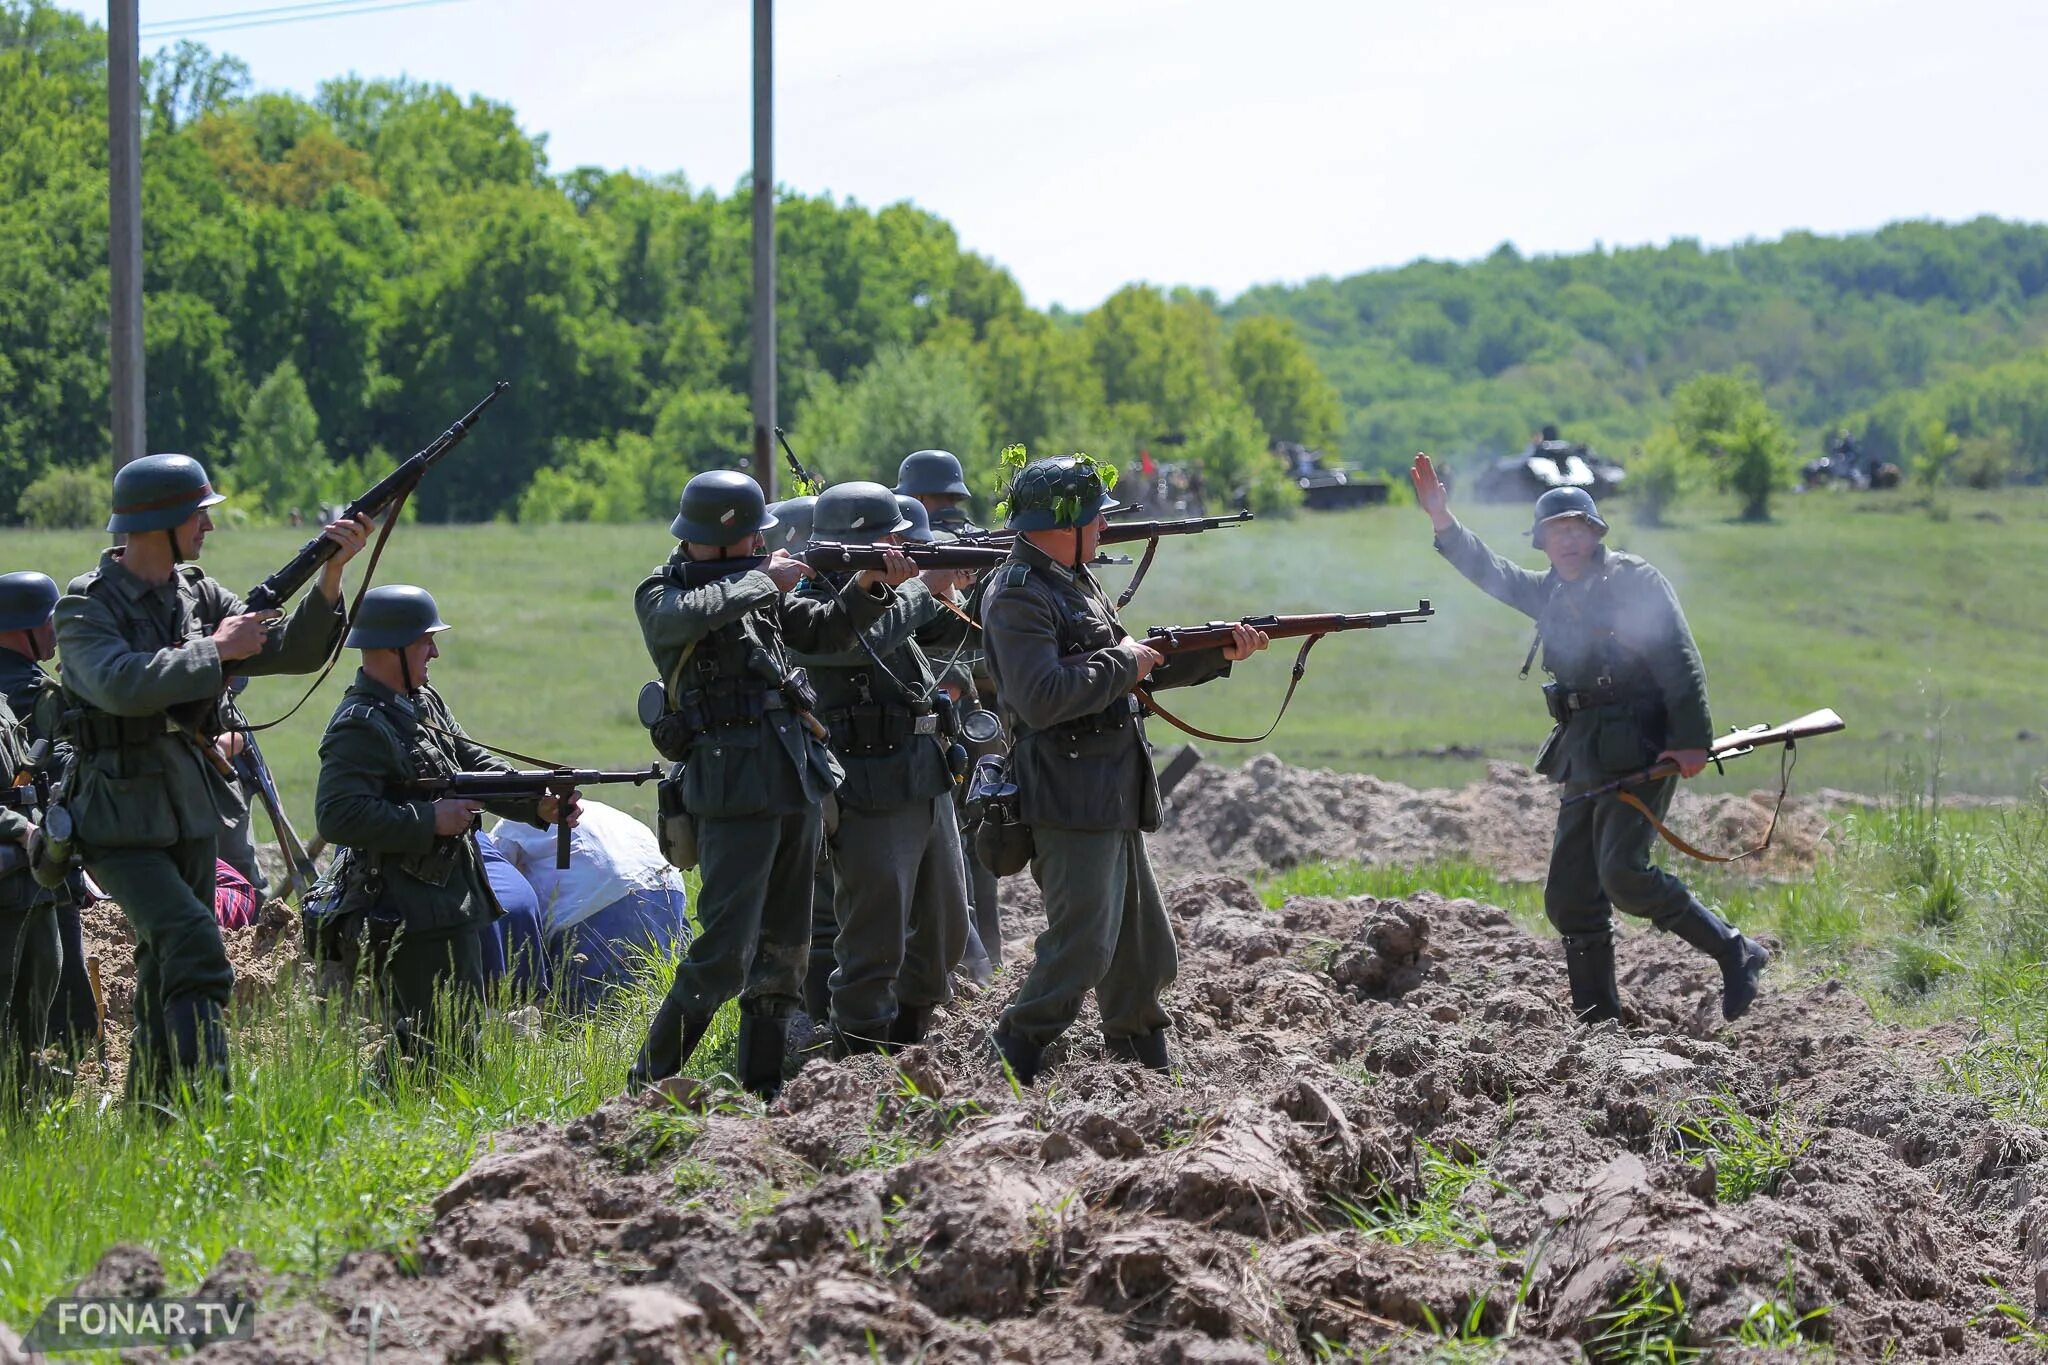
(1383, 1121)
(1268, 815)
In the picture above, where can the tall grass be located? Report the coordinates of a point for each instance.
(311, 1155)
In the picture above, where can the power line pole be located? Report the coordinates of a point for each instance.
(124, 236)
(764, 245)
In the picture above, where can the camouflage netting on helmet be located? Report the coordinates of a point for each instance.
(1055, 492)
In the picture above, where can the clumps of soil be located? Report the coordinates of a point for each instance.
(1269, 815)
(1382, 1121)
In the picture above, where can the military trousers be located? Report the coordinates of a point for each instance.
(981, 893)
(1106, 930)
(754, 913)
(74, 1014)
(31, 958)
(900, 897)
(430, 986)
(1600, 862)
(182, 977)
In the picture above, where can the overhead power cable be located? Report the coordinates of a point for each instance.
(232, 21)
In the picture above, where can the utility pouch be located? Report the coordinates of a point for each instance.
(1554, 701)
(676, 828)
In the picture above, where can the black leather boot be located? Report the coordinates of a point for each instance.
(198, 1037)
(1742, 959)
(1146, 1049)
(671, 1038)
(1024, 1059)
(909, 1026)
(1589, 963)
(763, 1043)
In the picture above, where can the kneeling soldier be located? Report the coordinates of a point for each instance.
(416, 874)
(1065, 670)
(149, 643)
(753, 770)
(1628, 691)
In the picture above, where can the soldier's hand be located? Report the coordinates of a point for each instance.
(554, 810)
(1147, 658)
(785, 570)
(1430, 494)
(897, 567)
(453, 816)
(1691, 762)
(1245, 641)
(241, 637)
(350, 536)
(946, 583)
(231, 744)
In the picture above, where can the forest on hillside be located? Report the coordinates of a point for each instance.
(330, 280)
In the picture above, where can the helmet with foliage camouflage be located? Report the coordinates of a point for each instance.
(857, 513)
(721, 507)
(158, 492)
(26, 600)
(393, 616)
(931, 473)
(792, 522)
(1062, 491)
(1565, 502)
(920, 532)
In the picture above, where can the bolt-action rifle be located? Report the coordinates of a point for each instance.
(1308, 629)
(1732, 745)
(1130, 533)
(273, 592)
(530, 785)
(253, 772)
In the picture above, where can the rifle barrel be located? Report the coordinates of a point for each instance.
(1181, 639)
(274, 591)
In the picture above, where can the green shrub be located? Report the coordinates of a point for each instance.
(65, 500)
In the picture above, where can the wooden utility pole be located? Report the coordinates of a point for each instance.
(764, 245)
(124, 222)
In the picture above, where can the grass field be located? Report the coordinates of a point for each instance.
(1915, 629)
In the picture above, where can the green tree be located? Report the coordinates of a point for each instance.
(1661, 473)
(906, 400)
(279, 458)
(1277, 377)
(1723, 421)
(1229, 446)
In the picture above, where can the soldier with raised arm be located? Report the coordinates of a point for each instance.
(1627, 690)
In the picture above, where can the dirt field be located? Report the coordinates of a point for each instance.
(1352, 1074)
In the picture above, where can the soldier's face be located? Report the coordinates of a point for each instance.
(1570, 543)
(191, 533)
(1091, 536)
(418, 655)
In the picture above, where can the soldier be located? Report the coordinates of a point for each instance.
(415, 871)
(899, 885)
(755, 772)
(1628, 690)
(1065, 669)
(792, 523)
(149, 642)
(28, 601)
(30, 951)
(935, 479)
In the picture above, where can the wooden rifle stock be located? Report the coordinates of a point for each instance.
(1732, 745)
(1216, 634)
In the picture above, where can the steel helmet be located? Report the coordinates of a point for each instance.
(1565, 502)
(1054, 493)
(920, 532)
(792, 522)
(721, 507)
(393, 616)
(158, 492)
(931, 473)
(857, 513)
(27, 600)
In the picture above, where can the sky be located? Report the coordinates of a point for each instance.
(1087, 144)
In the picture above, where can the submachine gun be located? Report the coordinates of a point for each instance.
(530, 785)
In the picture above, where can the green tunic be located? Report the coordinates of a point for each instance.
(30, 950)
(1617, 640)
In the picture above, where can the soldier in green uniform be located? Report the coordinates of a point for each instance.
(1065, 670)
(149, 642)
(1628, 691)
(753, 771)
(792, 529)
(415, 874)
(899, 885)
(30, 951)
(28, 636)
(935, 479)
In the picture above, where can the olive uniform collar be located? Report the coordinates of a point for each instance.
(1039, 559)
(123, 581)
(377, 692)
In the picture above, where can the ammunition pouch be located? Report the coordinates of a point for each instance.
(96, 730)
(1118, 715)
(675, 828)
(340, 906)
(1564, 702)
(721, 706)
(874, 729)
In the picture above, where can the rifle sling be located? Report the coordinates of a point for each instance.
(1123, 598)
(1791, 757)
(1300, 668)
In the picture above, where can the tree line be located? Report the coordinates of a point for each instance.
(330, 280)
